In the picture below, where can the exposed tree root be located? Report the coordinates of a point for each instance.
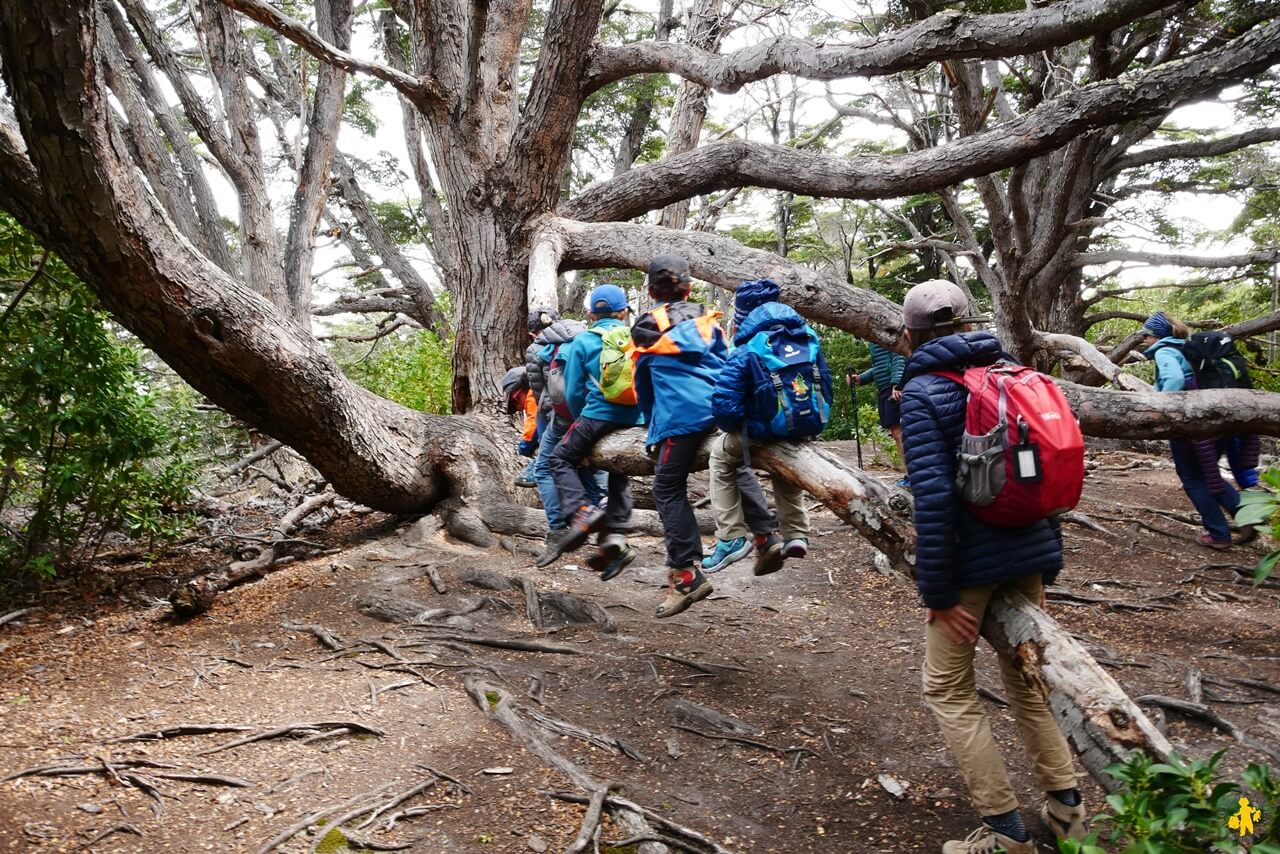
(179, 730)
(503, 643)
(197, 595)
(310, 728)
(1212, 718)
(498, 703)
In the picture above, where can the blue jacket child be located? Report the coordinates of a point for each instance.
(582, 379)
(679, 353)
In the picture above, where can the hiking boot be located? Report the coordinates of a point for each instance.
(1246, 534)
(688, 585)
(727, 552)
(984, 840)
(585, 522)
(611, 547)
(796, 547)
(768, 553)
(551, 551)
(612, 569)
(903, 482)
(1065, 822)
(1208, 541)
(527, 483)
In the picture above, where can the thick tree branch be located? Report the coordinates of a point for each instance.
(724, 262)
(1196, 150)
(1173, 414)
(946, 35)
(720, 166)
(1057, 342)
(421, 91)
(1256, 326)
(1175, 259)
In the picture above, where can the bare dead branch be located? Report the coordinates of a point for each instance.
(421, 91)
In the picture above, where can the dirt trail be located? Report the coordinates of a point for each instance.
(819, 663)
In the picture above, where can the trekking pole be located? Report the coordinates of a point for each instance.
(857, 433)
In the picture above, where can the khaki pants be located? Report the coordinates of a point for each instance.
(731, 487)
(951, 694)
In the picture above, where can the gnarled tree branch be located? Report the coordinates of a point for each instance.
(946, 35)
(1175, 259)
(720, 166)
(1197, 150)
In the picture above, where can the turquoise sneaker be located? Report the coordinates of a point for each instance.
(727, 552)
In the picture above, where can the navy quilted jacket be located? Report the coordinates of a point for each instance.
(954, 550)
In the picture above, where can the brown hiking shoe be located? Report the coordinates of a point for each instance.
(1065, 822)
(688, 585)
(984, 840)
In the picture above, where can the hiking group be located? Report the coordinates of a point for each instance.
(673, 372)
(993, 454)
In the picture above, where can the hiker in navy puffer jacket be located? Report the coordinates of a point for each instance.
(961, 563)
(954, 549)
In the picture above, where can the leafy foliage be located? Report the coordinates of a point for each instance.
(413, 370)
(1263, 508)
(86, 445)
(1184, 806)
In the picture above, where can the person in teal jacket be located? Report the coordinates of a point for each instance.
(680, 350)
(594, 417)
(886, 372)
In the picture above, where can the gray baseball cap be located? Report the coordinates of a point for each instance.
(937, 304)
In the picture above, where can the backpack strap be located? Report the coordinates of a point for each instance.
(782, 399)
(954, 376)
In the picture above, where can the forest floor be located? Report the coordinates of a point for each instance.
(819, 664)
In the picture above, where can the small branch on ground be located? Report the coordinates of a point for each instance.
(178, 730)
(591, 821)
(14, 615)
(291, 729)
(103, 834)
(326, 637)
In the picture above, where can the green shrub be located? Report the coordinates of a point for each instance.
(85, 448)
(1263, 508)
(413, 370)
(1185, 806)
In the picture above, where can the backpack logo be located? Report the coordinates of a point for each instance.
(1021, 458)
(789, 350)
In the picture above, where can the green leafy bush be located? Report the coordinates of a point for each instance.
(413, 370)
(85, 448)
(1185, 806)
(1263, 509)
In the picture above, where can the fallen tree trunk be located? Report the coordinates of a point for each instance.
(1098, 718)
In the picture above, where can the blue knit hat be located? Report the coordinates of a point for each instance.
(1158, 325)
(751, 295)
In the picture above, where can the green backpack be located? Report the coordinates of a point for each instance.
(616, 381)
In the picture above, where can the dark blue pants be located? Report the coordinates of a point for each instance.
(671, 466)
(1207, 504)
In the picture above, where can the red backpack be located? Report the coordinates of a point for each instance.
(1022, 456)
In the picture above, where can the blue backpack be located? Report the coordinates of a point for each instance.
(787, 397)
